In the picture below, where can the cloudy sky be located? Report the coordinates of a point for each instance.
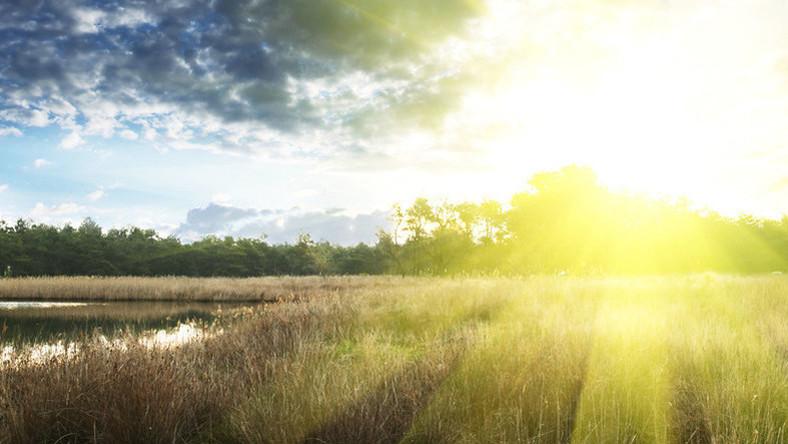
(287, 116)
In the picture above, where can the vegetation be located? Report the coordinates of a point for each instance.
(545, 359)
(267, 289)
(566, 222)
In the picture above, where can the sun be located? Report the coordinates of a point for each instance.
(649, 112)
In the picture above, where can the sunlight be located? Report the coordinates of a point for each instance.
(652, 105)
(632, 124)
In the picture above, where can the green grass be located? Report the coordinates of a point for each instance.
(700, 359)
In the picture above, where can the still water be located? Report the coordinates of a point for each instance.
(35, 322)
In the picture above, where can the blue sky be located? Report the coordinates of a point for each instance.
(274, 117)
(119, 182)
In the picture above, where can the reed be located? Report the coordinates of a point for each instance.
(265, 289)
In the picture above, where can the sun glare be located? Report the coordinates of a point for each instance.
(647, 105)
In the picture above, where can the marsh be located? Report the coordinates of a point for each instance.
(42, 322)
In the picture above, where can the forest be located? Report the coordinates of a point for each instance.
(565, 222)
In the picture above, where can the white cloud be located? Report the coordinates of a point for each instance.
(96, 195)
(91, 21)
(71, 141)
(64, 212)
(10, 132)
(88, 21)
(39, 118)
(41, 163)
(102, 118)
(3, 187)
(150, 134)
(128, 17)
(128, 134)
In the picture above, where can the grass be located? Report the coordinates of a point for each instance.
(697, 359)
(266, 289)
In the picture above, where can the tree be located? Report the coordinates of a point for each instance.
(418, 217)
(397, 217)
(468, 216)
(565, 221)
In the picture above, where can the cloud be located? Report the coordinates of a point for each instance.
(10, 132)
(71, 141)
(281, 226)
(149, 134)
(3, 187)
(41, 163)
(87, 20)
(128, 134)
(95, 195)
(274, 78)
(67, 212)
(39, 118)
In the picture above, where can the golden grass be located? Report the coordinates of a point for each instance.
(265, 289)
(699, 359)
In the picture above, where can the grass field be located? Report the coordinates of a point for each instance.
(700, 359)
(267, 289)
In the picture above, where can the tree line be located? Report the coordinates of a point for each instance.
(566, 222)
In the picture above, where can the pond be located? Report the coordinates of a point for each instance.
(41, 322)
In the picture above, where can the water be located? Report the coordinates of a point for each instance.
(36, 322)
(8, 305)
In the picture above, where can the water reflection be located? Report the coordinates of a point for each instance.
(9, 305)
(49, 322)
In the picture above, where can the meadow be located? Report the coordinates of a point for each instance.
(181, 289)
(676, 359)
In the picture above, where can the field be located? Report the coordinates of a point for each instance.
(269, 289)
(698, 359)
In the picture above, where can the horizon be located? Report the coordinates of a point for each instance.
(337, 226)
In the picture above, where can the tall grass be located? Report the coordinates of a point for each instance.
(699, 359)
(266, 289)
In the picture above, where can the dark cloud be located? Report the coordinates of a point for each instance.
(234, 61)
(279, 226)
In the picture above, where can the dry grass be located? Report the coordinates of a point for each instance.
(679, 359)
(266, 289)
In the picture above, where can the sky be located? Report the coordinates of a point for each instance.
(277, 117)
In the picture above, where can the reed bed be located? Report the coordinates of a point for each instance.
(265, 289)
(692, 359)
